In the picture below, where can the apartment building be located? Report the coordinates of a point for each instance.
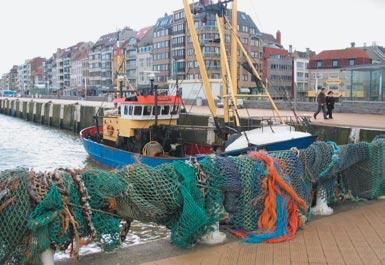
(24, 77)
(325, 69)
(301, 72)
(173, 51)
(162, 49)
(144, 57)
(79, 69)
(37, 74)
(101, 72)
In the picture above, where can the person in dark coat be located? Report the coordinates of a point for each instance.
(330, 100)
(321, 99)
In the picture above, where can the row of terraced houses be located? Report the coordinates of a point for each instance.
(88, 68)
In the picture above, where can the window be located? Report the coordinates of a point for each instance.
(335, 63)
(156, 110)
(319, 64)
(138, 110)
(175, 110)
(130, 110)
(147, 110)
(352, 62)
(125, 110)
(300, 65)
(165, 110)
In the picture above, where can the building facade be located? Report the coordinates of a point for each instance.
(144, 58)
(278, 72)
(24, 77)
(173, 52)
(79, 69)
(325, 69)
(101, 72)
(37, 75)
(162, 48)
(301, 72)
(367, 82)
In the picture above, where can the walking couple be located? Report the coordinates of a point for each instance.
(325, 104)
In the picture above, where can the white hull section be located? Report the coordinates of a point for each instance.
(266, 135)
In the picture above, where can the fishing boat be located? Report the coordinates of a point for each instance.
(144, 127)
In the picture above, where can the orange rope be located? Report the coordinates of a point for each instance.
(268, 218)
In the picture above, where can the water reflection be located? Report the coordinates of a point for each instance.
(28, 145)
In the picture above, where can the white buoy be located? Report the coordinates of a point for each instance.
(47, 257)
(215, 237)
(321, 208)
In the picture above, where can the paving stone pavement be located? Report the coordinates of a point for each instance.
(356, 236)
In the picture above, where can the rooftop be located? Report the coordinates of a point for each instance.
(348, 53)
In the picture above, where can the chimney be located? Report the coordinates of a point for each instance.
(290, 48)
(352, 44)
(278, 37)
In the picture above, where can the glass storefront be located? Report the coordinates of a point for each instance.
(366, 82)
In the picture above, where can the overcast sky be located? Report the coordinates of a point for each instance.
(32, 28)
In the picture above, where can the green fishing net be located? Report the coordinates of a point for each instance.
(188, 197)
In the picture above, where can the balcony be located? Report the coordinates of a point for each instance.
(211, 54)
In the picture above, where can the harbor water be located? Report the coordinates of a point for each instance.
(28, 145)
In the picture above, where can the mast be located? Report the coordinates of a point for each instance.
(255, 72)
(224, 73)
(199, 57)
(226, 76)
(234, 52)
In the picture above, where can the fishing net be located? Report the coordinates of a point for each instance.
(263, 197)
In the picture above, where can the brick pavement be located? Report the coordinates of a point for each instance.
(371, 121)
(356, 236)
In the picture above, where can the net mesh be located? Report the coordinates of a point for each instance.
(256, 191)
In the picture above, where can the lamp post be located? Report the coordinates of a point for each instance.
(154, 90)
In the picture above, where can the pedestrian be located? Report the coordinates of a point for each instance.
(330, 104)
(321, 99)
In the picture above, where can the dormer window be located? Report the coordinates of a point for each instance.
(352, 62)
(335, 63)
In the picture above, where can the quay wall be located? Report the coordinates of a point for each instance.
(75, 116)
(69, 116)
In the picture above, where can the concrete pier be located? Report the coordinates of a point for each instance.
(64, 114)
(77, 115)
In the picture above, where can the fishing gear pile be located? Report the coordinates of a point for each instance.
(263, 197)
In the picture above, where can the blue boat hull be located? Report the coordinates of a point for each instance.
(117, 158)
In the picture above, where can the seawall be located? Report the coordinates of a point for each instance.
(77, 115)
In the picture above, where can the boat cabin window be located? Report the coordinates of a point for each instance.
(147, 110)
(138, 111)
(154, 110)
(175, 110)
(165, 110)
(130, 110)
